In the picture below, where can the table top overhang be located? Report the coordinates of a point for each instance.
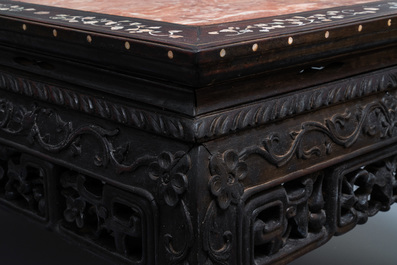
(206, 34)
(199, 12)
(201, 44)
(192, 57)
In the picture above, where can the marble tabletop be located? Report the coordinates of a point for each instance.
(197, 12)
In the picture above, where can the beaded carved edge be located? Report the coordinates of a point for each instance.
(210, 125)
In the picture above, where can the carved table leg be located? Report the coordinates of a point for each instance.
(261, 196)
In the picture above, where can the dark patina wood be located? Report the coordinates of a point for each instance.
(247, 142)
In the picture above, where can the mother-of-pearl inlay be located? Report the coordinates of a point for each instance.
(264, 24)
(197, 12)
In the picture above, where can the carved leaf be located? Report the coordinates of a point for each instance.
(121, 153)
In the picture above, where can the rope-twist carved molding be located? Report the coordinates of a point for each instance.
(135, 117)
(206, 126)
(297, 103)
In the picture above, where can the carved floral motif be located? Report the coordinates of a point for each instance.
(25, 186)
(75, 211)
(89, 214)
(170, 173)
(46, 128)
(299, 214)
(227, 173)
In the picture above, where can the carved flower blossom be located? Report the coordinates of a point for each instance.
(75, 211)
(227, 171)
(170, 173)
(21, 183)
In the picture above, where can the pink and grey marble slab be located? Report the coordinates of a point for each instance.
(197, 12)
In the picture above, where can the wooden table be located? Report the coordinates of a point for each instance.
(198, 132)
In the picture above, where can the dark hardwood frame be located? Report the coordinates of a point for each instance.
(253, 148)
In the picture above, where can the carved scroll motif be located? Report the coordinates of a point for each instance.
(285, 219)
(46, 128)
(168, 171)
(23, 182)
(213, 125)
(297, 103)
(295, 213)
(135, 117)
(171, 175)
(227, 172)
(366, 191)
(375, 119)
(87, 212)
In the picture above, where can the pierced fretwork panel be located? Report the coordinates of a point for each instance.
(23, 182)
(117, 222)
(111, 218)
(288, 220)
(284, 219)
(365, 190)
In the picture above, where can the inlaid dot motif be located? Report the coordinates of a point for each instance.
(222, 53)
(89, 38)
(290, 40)
(255, 47)
(170, 55)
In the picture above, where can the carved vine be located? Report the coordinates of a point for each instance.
(46, 128)
(296, 103)
(134, 117)
(170, 172)
(178, 256)
(206, 126)
(217, 235)
(227, 173)
(229, 169)
(33, 122)
(378, 118)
